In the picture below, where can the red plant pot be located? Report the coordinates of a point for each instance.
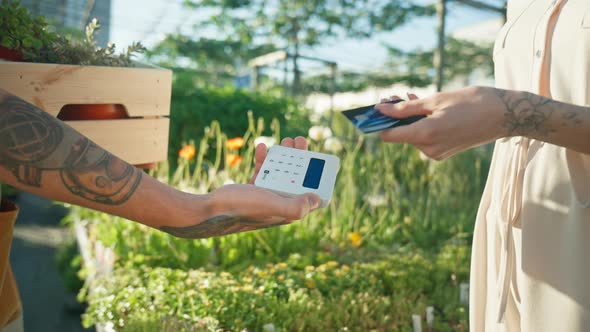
(75, 112)
(10, 55)
(146, 166)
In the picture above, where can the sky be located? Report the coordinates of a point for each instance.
(150, 21)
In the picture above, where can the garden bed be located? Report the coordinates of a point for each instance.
(362, 264)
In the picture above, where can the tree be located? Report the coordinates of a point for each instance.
(441, 10)
(462, 57)
(414, 68)
(204, 61)
(294, 24)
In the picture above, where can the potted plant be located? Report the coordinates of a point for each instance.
(92, 88)
(21, 33)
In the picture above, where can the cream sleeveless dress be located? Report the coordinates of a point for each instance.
(530, 268)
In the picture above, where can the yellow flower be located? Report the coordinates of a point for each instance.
(233, 160)
(281, 278)
(187, 152)
(309, 268)
(310, 283)
(235, 143)
(355, 239)
(332, 264)
(283, 265)
(345, 268)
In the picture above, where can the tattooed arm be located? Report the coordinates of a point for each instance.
(544, 119)
(44, 156)
(473, 116)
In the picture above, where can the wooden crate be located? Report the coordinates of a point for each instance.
(144, 92)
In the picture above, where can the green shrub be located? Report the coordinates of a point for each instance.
(400, 224)
(381, 296)
(69, 265)
(36, 41)
(193, 109)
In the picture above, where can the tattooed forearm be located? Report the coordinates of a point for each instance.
(26, 137)
(219, 225)
(33, 142)
(527, 114)
(97, 175)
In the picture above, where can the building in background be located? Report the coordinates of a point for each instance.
(74, 14)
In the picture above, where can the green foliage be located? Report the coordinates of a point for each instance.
(307, 22)
(8, 190)
(394, 240)
(412, 68)
(193, 109)
(377, 295)
(69, 266)
(462, 57)
(251, 28)
(68, 50)
(213, 62)
(35, 39)
(22, 32)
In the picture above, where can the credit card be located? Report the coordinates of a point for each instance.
(369, 120)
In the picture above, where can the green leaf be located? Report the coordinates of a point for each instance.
(27, 42)
(37, 44)
(8, 43)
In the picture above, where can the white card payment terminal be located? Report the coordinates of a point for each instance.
(294, 172)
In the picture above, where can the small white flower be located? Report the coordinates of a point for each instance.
(202, 189)
(222, 176)
(184, 186)
(318, 133)
(268, 328)
(333, 144)
(267, 140)
(228, 181)
(109, 327)
(377, 200)
(315, 117)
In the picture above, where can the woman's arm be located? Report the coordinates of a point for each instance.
(544, 119)
(473, 116)
(43, 155)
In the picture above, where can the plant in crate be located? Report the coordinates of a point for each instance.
(32, 39)
(73, 78)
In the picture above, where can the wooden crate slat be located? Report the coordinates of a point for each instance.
(143, 91)
(136, 141)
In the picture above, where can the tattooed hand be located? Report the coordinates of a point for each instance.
(473, 116)
(240, 208)
(45, 156)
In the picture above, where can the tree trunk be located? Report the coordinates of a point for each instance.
(296, 73)
(441, 10)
